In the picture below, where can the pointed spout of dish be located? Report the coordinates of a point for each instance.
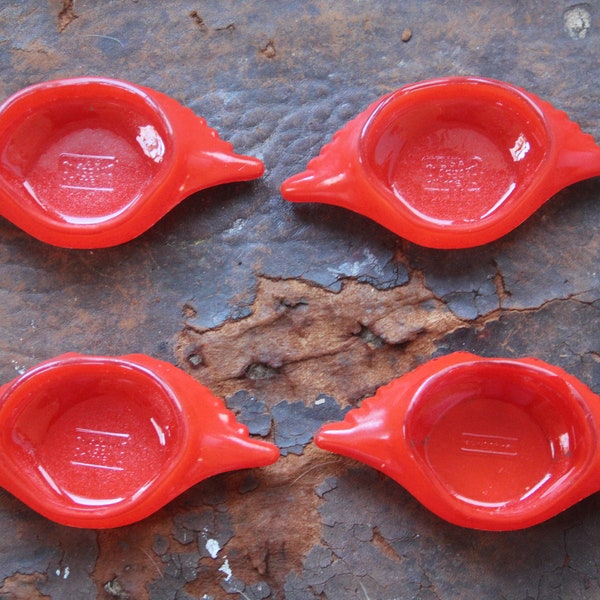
(208, 159)
(209, 167)
(335, 175)
(364, 435)
(312, 186)
(231, 450)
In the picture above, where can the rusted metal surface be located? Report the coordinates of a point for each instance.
(295, 313)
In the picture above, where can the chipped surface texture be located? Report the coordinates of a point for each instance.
(294, 314)
(301, 340)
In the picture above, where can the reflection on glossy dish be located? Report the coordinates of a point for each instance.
(484, 443)
(521, 148)
(449, 163)
(151, 143)
(92, 162)
(102, 442)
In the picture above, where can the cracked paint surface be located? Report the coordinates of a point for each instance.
(294, 314)
(378, 543)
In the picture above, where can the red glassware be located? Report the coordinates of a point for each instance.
(92, 162)
(487, 443)
(449, 163)
(93, 441)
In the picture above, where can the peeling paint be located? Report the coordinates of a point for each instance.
(213, 547)
(315, 341)
(295, 423)
(226, 569)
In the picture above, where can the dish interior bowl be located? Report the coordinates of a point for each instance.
(96, 437)
(83, 157)
(494, 435)
(455, 153)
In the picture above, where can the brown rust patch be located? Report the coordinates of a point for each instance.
(66, 15)
(195, 16)
(268, 50)
(301, 340)
(269, 542)
(126, 560)
(22, 587)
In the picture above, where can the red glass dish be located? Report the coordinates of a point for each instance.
(93, 162)
(93, 441)
(449, 163)
(487, 443)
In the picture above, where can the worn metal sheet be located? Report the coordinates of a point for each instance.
(295, 313)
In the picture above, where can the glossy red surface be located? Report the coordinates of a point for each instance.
(94, 441)
(485, 443)
(449, 163)
(93, 162)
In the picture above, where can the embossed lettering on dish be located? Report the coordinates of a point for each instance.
(87, 172)
(96, 447)
(489, 444)
(446, 173)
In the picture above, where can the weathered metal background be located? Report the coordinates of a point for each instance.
(293, 313)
